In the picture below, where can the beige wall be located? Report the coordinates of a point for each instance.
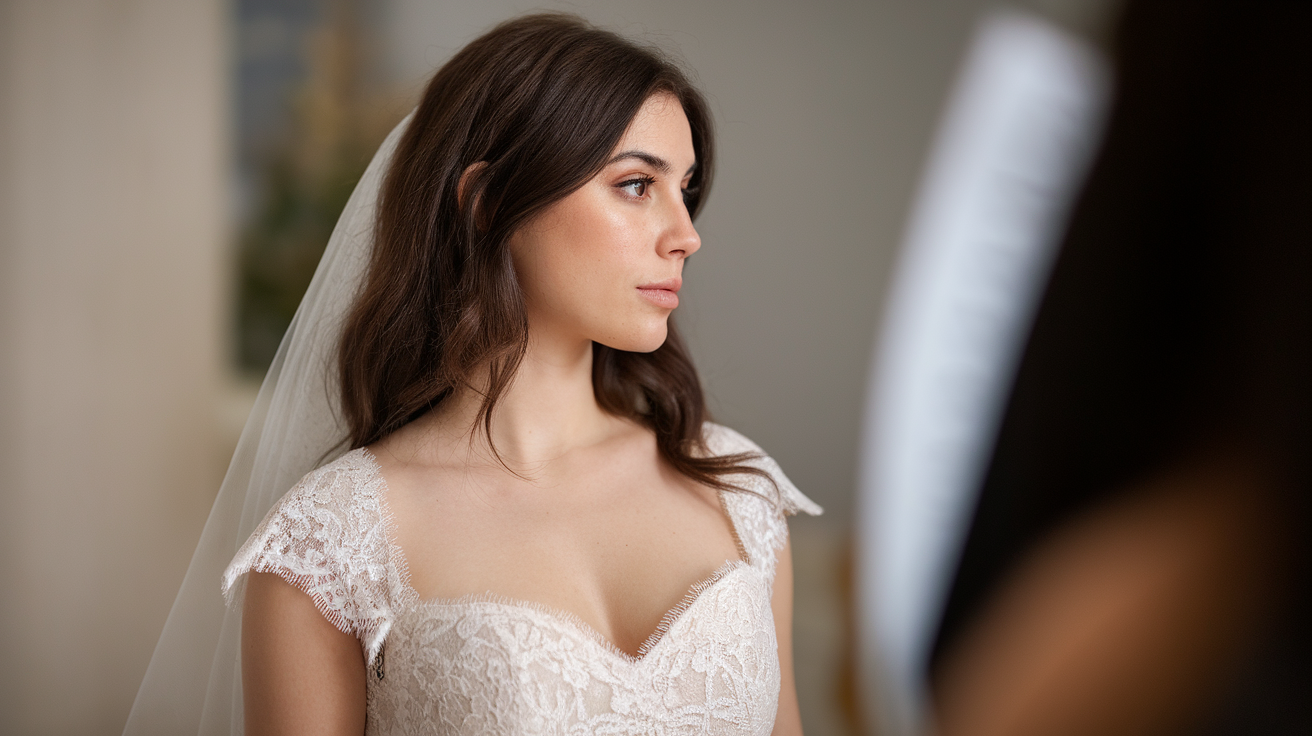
(112, 229)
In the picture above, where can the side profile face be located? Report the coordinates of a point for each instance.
(605, 263)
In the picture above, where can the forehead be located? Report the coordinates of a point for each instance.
(661, 128)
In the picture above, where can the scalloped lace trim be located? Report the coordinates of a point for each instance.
(574, 620)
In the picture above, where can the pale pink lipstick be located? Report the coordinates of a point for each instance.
(664, 294)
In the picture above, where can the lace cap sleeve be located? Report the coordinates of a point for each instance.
(329, 536)
(759, 519)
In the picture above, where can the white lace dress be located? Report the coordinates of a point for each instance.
(489, 665)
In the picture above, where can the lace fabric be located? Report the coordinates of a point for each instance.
(491, 665)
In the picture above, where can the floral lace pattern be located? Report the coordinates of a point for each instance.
(489, 665)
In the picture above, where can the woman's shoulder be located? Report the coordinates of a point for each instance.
(350, 483)
(334, 510)
(759, 514)
(722, 441)
(340, 497)
(329, 536)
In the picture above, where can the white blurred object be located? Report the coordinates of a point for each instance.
(1015, 141)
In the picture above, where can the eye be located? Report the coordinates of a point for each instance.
(637, 188)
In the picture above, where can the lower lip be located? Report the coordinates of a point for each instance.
(663, 298)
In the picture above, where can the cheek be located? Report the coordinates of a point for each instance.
(582, 256)
(569, 271)
(579, 267)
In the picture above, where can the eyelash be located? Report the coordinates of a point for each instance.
(647, 181)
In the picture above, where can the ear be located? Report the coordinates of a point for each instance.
(463, 187)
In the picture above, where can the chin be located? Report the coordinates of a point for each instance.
(640, 341)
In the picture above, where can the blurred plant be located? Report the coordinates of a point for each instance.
(336, 125)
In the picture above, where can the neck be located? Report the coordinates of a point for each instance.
(548, 409)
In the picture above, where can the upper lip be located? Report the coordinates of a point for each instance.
(666, 285)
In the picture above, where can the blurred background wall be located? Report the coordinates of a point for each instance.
(169, 172)
(114, 254)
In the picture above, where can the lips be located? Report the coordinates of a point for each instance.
(664, 294)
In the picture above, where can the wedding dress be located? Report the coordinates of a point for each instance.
(485, 664)
(477, 665)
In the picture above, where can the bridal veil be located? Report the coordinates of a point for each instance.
(193, 683)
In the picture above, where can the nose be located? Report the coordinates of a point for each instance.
(680, 238)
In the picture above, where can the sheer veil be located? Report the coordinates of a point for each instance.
(193, 683)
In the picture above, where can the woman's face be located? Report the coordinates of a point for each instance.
(606, 262)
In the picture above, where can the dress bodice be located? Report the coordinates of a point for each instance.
(485, 664)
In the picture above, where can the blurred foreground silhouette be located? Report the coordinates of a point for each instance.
(1137, 558)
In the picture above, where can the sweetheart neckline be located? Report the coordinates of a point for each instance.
(574, 621)
(412, 598)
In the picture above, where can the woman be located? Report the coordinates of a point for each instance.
(534, 530)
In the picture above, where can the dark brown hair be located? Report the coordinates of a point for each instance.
(542, 101)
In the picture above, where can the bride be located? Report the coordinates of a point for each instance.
(533, 528)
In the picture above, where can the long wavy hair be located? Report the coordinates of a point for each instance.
(541, 101)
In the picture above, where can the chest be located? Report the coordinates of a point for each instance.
(485, 665)
(617, 549)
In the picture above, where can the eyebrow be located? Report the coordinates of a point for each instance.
(651, 160)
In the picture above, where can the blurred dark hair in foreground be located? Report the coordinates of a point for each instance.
(1137, 561)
